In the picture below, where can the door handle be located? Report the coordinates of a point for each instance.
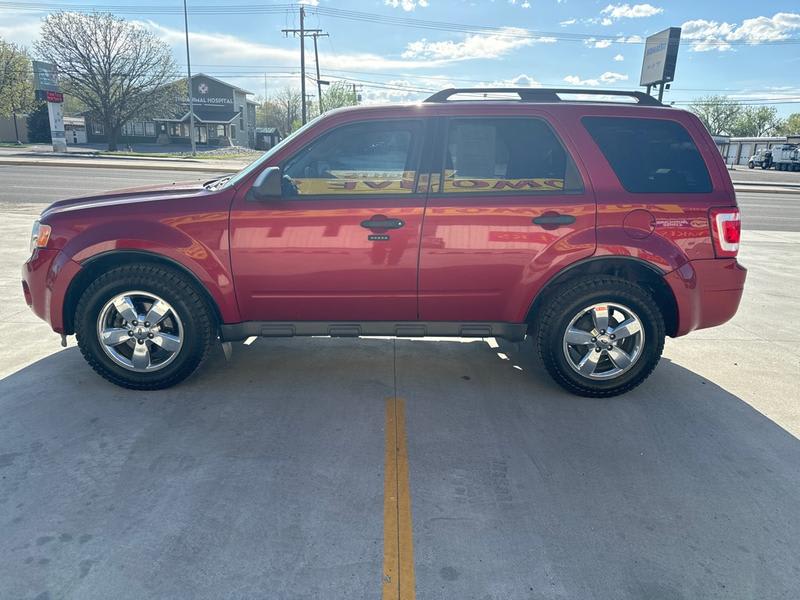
(381, 222)
(552, 220)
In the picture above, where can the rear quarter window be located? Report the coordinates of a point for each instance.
(650, 155)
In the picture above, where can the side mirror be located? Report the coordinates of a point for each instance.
(267, 185)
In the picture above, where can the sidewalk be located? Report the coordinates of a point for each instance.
(13, 156)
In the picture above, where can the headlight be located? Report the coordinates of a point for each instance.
(40, 235)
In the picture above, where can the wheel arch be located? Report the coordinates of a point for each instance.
(633, 269)
(104, 261)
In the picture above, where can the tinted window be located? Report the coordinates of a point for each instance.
(650, 155)
(361, 158)
(506, 156)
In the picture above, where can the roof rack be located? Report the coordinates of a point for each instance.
(544, 94)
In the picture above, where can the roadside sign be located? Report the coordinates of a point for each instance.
(660, 57)
(45, 77)
(49, 96)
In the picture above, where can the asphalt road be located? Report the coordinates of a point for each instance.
(31, 184)
(266, 477)
(36, 184)
(769, 212)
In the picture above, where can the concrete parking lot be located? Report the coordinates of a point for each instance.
(264, 477)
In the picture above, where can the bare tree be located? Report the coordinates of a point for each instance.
(288, 102)
(119, 70)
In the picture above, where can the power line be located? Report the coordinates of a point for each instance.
(359, 16)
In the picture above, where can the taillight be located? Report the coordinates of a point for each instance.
(726, 229)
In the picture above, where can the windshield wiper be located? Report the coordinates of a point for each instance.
(215, 183)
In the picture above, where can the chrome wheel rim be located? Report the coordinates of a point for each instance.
(603, 341)
(140, 331)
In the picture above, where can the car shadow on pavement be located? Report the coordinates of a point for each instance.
(262, 477)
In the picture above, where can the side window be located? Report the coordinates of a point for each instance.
(650, 155)
(377, 157)
(506, 155)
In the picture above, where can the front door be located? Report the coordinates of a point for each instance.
(342, 243)
(200, 134)
(508, 207)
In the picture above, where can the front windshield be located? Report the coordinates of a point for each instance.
(253, 166)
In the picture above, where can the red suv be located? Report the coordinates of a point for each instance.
(597, 227)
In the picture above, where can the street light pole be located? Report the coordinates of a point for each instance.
(189, 80)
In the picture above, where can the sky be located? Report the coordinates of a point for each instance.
(401, 50)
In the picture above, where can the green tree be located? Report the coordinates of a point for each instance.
(119, 70)
(74, 106)
(756, 121)
(39, 124)
(338, 94)
(791, 126)
(16, 85)
(718, 113)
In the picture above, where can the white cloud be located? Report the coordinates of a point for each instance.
(595, 43)
(18, 27)
(219, 48)
(631, 39)
(310, 2)
(525, 4)
(473, 46)
(520, 80)
(712, 35)
(568, 22)
(406, 5)
(609, 77)
(627, 11)
(619, 58)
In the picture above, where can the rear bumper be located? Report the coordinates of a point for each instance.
(707, 292)
(45, 278)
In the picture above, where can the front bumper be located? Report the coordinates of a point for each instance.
(707, 292)
(45, 280)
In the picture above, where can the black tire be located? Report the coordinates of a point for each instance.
(199, 327)
(557, 313)
(750, 165)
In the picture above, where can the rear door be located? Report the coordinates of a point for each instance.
(508, 206)
(341, 244)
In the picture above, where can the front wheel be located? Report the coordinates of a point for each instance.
(751, 165)
(601, 336)
(143, 327)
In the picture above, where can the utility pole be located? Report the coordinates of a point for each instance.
(303, 33)
(189, 81)
(316, 61)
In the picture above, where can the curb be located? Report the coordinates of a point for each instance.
(155, 166)
(789, 184)
(761, 190)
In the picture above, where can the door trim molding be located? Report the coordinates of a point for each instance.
(239, 331)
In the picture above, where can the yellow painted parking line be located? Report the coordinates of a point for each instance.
(398, 544)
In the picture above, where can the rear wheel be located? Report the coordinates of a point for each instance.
(601, 337)
(143, 327)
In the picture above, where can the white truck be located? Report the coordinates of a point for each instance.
(785, 157)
